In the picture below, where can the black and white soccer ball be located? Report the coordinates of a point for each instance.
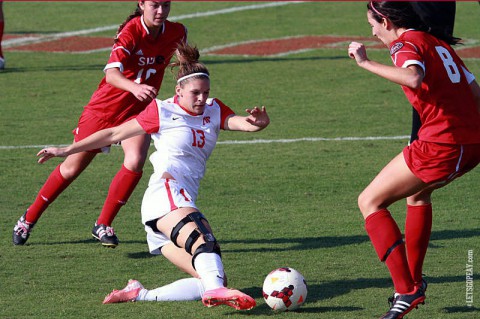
(284, 289)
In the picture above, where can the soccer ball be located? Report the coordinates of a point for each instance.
(284, 289)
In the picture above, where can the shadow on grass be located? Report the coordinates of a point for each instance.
(461, 309)
(332, 289)
(287, 243)
(307, 243)
(262, 309)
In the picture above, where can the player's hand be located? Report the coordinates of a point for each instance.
(358, 52)
(145, 93)
(49, 152)
(258, 117)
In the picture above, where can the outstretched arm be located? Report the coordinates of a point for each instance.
(256, 120)
(97, 140)
(476, 93)
(411, 76)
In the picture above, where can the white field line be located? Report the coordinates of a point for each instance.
(260, 141)
(32, 40)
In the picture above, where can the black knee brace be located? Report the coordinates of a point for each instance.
(210, 245)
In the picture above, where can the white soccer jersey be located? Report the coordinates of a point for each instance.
(184, 141)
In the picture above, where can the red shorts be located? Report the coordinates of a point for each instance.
(434, 162)
(89, 124)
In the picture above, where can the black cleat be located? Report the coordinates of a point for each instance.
(404, 303)
(21, 231)
(106, 235)
(423, 286)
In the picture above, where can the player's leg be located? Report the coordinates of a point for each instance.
(60, 178)
(121, 187)
(418, 227)
(187, 289)
(188, 229)
(394, 182)
(180, 258)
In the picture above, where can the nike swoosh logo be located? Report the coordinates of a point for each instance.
(175, 118)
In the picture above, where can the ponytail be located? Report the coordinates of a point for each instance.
(187, 61)
(137, 13)
(438, 17)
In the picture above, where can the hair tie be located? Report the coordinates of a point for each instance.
(376, 11)
(191, 75)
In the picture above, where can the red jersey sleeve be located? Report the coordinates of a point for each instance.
(225, 112)
(149, 119)
(405, 53)
(121, 51)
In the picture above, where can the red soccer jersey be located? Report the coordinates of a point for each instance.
(141, 58)
(445, 102)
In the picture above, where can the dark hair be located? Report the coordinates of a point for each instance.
(137, 13)
(187, 60)
(403, 15)
(439, 17)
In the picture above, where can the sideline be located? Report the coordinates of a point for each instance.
(33, 40)
(259, 141)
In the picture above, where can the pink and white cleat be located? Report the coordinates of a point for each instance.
(230, 297)
(129, 293)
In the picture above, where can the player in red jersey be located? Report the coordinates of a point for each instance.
(143, 47)
(447, 98)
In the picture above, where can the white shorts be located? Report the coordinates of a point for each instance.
(160, 199)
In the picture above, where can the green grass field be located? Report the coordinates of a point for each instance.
(283, 203)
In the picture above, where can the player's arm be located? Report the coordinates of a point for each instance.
(256, 120)
(97, 140)
(142, 92)
(411, 76)
(476, 93)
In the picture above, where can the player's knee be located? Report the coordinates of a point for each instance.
(362, 202)
(134, 164)
(70, 172)
(366, 204)
(200, 237)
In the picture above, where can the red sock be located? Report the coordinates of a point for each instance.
(418, 228)
(2, 25)
(53, 187)
(121, 188)
(387, 241)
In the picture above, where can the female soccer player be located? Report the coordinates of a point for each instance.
(447, 98)
(143, 47)
(185, 129)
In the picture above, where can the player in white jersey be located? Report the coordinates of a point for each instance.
(185, 129)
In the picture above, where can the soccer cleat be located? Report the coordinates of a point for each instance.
(423, 286)
(230, 297)
(21, 231)
(129, 293)
(404, 303)
(106, 235)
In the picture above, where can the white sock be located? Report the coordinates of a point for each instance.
(209, 267)
(187, 289)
